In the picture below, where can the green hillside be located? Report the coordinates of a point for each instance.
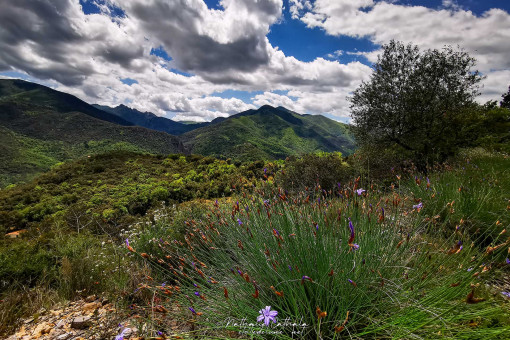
(37, 132)
(269, 133)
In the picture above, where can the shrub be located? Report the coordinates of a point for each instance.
(325, 170)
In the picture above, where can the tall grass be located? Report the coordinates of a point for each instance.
(394, 274)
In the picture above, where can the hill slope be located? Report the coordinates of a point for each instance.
(269, 133)
(26, 93)
(40, 127)
(149, 120)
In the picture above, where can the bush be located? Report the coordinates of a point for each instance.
(324, 169)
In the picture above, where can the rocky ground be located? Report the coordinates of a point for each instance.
(88, 319)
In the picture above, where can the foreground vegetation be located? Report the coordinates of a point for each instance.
(433, 234)
(358, 261)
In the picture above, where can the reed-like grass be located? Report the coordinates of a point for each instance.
(395, 274)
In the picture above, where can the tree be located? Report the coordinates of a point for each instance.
(506, 100)
(417, 101)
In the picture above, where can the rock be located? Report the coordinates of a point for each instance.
(42, 328)
(91, 307)
(64, 336)
(91, 298)
(81, 322)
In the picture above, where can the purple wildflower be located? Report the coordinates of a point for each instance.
(290, 268)
(265, 170)
(267, 315)
(507, 294)
(351, 227)
(192, 310)
(124, 332)
(127, 242)
(418, 206)
(355, 246)
(360, 191)
(239, 221)
(469, 269)
(317, 227)
(507, 260)
(197, 294)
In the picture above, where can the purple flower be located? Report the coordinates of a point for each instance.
(418, 206)
(355, 246)
(507, 294)
(507, 260)
(192, 310)
(360, 191)
(317, 227)
(352, 231)
(469, 269)
(290, 268)
(239, 221)
(197, 293)
(265, 170)
(127, 242)
(267, 315)
(123, 333)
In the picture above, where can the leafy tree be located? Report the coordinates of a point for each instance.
(418, 101)
(506, 100)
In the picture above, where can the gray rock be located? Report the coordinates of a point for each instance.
(81, 322)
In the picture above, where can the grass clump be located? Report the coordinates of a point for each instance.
(354, 262)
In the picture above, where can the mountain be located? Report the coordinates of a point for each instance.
(40, 127)
(25, 93)
(149, 120)
(269, 133)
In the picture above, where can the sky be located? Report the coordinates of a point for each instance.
(196, 60)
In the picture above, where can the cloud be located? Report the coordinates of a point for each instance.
(485, 37)
(213, 50)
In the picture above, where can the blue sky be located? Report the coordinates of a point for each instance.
(201, 59)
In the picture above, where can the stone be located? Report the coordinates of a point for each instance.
(91, 298)
(81, 322)
(64, 336)
(42, 328)
(91, 307)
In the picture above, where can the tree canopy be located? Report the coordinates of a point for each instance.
(506, 100)
(418, 101)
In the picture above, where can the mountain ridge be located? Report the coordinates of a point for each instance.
(41, 127)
